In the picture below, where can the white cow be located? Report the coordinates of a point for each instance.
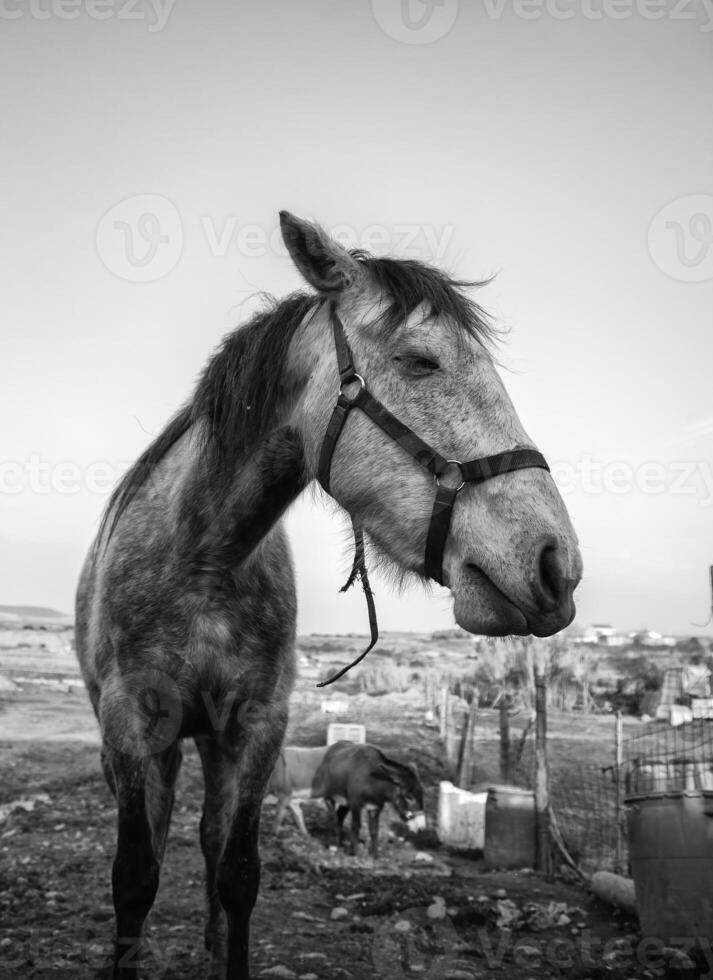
(291, 780)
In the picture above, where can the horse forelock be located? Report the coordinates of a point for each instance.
(406, 284)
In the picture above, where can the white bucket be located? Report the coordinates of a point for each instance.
(461, 816)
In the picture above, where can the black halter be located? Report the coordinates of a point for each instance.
(450, 475)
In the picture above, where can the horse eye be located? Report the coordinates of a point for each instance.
(418, 364)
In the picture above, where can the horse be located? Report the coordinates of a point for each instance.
(292, 781)
(186, 608)
(356, 776)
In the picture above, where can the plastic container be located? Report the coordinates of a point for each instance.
(338, 731)
(461, 817)
(510, 840)
(671, 855)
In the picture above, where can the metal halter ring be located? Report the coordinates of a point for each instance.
(350, 381)
(452, 462)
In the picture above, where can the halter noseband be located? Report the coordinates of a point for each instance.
(450, 475)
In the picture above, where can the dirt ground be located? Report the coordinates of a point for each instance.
(416, 912)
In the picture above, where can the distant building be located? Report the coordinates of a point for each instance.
(684, 686)
(335, 706)
(650, 638)
(307, 668)
(604, 634)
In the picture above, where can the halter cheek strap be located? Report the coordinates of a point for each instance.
(450, 475)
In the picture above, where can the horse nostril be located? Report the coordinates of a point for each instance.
(552, 580)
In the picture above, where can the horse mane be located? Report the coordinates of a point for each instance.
(237, 395)
(241, 390)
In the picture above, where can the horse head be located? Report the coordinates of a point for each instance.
(422, 348)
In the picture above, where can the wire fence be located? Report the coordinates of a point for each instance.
(589, 802)
(586, 811)
(665, 759)
(591, 771)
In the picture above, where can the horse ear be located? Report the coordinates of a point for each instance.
(409, 772)
(383, 772)
(320, 260)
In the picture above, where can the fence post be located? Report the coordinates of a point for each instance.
(443, 710)
(542, 801)
(505, 738)
(618, 761)
(465, 755)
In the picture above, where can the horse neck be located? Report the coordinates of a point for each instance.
(243, 493)
(251, 503)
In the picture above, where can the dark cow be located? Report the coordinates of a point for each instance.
(354, 776)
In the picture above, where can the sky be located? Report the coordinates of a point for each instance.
(563, 145)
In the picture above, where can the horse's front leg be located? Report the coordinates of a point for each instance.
(238, 876)
(373, 816)
(334, 822)
(299, 817)
(219, 776)
(339, 818)
(282, 803)
(135, 871)
(355, 828)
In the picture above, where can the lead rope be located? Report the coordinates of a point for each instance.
(359, 570)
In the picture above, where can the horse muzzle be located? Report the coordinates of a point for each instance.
(416, 821)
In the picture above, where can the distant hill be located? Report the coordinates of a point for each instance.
(21, 613)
